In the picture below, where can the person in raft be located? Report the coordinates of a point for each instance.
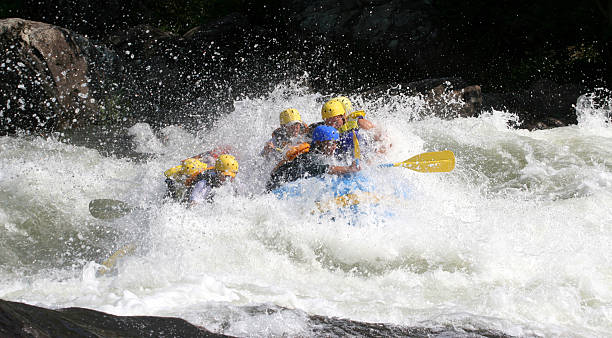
(180, 178)
(334, 114)
(203, 186)
(291, 131)
(311, 161)
(210, 157)
(338, 113)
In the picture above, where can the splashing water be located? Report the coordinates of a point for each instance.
(517, 238)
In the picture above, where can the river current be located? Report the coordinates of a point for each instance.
(518, 238)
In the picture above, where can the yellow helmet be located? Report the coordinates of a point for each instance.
(332, 108)
(227, 165)
(348, 106)
(289, 115)
(192, 166)
(188, 167)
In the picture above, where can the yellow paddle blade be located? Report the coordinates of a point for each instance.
(433, 162)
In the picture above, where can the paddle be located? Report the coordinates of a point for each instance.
(433, 162)
(108, 264)
(356, 151)
(109, 209)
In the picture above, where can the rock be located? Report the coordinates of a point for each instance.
(195, 78)
(405, 29)
(445, 97)
(544, 105)
(51, 78)
(163, 78)
(22, 320)
(141, 38)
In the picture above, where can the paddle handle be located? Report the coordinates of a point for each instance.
(356, 150)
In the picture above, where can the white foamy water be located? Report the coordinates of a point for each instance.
(518, 238)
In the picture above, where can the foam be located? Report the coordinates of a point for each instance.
(517, 238)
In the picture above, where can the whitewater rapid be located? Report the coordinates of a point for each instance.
(518, 238)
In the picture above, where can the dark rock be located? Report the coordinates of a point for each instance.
(89, 18)
(406, 29)
(547, 123)
(408, 40)
(22, 320)
(337, 327)
(551, 121)
(146, 36)
(191, 79)
(226, 28)
(51, 78)
(545, 104)
(194, 78)
(446, 97)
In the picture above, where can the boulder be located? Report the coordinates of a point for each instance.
(444, 97)
(52, 79)
(405, 29)
(545, 104)
(22, 320)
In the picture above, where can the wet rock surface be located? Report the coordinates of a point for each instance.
(543, 105)
(52, 78)
(406, 29)
(22, 320)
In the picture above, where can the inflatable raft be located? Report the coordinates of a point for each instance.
(349, 196)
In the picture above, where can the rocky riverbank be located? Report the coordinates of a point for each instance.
(55, 78)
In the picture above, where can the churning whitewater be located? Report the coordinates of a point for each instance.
(518, 238)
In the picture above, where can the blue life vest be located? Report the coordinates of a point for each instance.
(345, 144)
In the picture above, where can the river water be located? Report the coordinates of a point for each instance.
(518, 238)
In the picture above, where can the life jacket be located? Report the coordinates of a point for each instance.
(292, 153)
(352, 121)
